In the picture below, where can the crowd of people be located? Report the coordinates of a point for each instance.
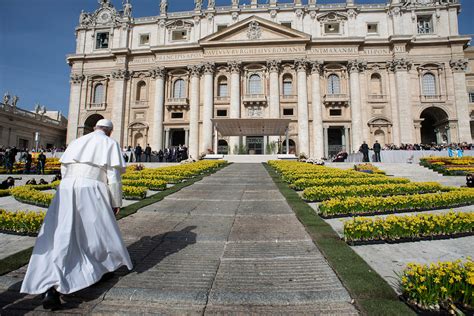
(8, 158)
(170, 154)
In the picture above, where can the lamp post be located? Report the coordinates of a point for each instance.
(37, 140)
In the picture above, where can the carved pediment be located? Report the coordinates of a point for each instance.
(379, 121)
(332, 17)
(255, 29)
(179, 25)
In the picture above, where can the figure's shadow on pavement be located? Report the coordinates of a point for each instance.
(145, 253)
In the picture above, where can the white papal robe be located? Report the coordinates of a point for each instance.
(80, 240)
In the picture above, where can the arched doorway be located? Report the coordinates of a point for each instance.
(138, 140)
(292, 146)
(90, 122)
(222, 147)
(434, 126)
(379, 136)
(178, 137)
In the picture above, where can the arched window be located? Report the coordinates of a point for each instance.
(287, 85)
(179, 89)
(141, 91)
(376, 84)
(255, 84)
(99, 93)
(334, 84)
(222, 87)
(429, 84)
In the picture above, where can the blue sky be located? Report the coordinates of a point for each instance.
(36, 36)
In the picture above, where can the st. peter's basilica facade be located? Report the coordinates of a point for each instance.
(335, 74)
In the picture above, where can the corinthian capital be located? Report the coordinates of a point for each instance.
(77, 78)
(195, 70)
(121, 74)
(356, 66)
(401, 64)
(273, 65)
(235, 66)
(208, 68)
(158, 72)
(459, 65)
(316, 66)
(301, 64)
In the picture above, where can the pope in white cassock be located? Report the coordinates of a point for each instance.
(80, 240)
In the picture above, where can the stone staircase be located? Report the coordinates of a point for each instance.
(413, 172)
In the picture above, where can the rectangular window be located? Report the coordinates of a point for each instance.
(177, 115)
(471, 97)
(102, 40)
(335, 112)
(220, 27)
(372, 28)
(331, 28)
(287, 87)
(221, 112)
(179, 35)
(144, 39)
(286, 24)
(288, 112)
(425, 25)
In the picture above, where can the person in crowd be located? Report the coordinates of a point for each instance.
(341, 156)
(7, 184)
(42, 181)
(80, 240)
(167, 155)
(41, 163)
(160, 155)
(56, 178)
(138, 153)
(364, 149)
(9, 160)
(148, 153)
(377, 149)
(28, 162)
(31, 182)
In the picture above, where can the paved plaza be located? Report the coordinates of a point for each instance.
(227, 244)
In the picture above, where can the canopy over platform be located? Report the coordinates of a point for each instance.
(251, 127)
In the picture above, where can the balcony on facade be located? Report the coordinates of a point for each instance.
(432, 98)
(177, 104)
(288, 98)
(255, 99)
(221, 100)
(97, 106)
(340, 99)
(377, 98)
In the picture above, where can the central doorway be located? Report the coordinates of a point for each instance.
(335, 140)
(435, 126)
(255, 145)
(178, 137)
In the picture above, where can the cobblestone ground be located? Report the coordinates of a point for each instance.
(229, 244)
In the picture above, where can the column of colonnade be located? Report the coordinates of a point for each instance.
(318, 132)
(234, 68)
(301, 66)
(208, 107)
(193, 146)
(355, 67)
(273, 67)
(159, 75)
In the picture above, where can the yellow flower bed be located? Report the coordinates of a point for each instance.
(27, 194)
(443, 285)
(134, 193)
(23, 222)
(393, 227)
(449, 166)
(4, 192)
(306, 183)
(320, 193)
(398, 203)
(155, 185)
(369, 168)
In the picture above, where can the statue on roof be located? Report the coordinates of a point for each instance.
(6, 98)
(197, 5)
(105, 3)
(163, 7)
(15, 100)
(127, 8)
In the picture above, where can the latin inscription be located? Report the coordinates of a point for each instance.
(334, 50)
(254, 51)
(180, 56)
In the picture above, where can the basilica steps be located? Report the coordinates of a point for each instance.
(413, 172)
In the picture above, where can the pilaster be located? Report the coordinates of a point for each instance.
(459, 68)
(74, 106)
(159, 74)
(318, 136)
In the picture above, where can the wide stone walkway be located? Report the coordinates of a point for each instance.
(228, 244)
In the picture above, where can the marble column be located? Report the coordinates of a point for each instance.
(157, 140)
(120, 76)
(208, 99)
(186, 136)
(462, 103)
(303, 129)
(402, 78)
(354, 67)
(234, 112)
(318, 137)
(394, 106)
(167, 137)
(195, 73)
(273, 67)
(74, 106)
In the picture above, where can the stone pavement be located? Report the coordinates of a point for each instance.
(229, 244)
